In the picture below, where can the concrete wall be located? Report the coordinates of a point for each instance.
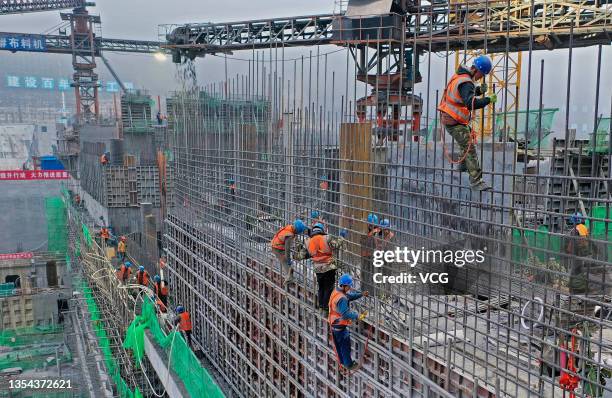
(22, 214)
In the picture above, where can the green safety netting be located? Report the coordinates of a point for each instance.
(104, 342)
(515, 125)
(544, 246)
(55, 212)
(33, 348)
(183, 361)
(602, 135)
(87, 235)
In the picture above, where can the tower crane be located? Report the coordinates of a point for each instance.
(387, 37)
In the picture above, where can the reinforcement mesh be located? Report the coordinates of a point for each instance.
(33, 348)
(55, 212)
(104, 343)
(603, 136)
(514, 124)
(546, 247)
(183, 361)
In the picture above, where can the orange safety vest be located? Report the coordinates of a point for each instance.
(124, 273)
(185, 322)
(335, 318)
(142, 278)
(121, 247)
(451, 103)
(278, 241)
(164, 290)
(104, 233)
(319, 249)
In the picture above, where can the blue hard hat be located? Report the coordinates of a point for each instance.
(345, 280)
(315, 214)
(372, 218)
(299, 226)
(128, 264)
(385, 223)
(576, 218)
(483, 64)
(141, 268)
(180, 309)
(157, 278)
(319, 226)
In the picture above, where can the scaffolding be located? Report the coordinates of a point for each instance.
(256, 151)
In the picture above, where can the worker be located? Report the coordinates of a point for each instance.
(341, 316)
(281, 247)
(161, 293)
(142, 276)
(183, 320)
(160, 119)
(315, 217)
(122, 248)
(458, 102)
(77, 200)
(104, 235)
(321, 252)
(368, 245)
(162, 262)
(105, 158)
(579, 248)
(124, 272)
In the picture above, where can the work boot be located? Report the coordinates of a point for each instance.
(480, 185)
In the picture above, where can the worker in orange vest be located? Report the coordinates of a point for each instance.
(281, 247)
(458, 102)
(142, 276)
(104, 159)
(579, 248)
(183, 320)
(124, 272)
(341, 317)
(122, 248)
(321, 252)
(161, 293)
(104, 234)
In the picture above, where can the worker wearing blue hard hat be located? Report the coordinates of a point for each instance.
(321, 251)
(124, 272)
(142, 276)
(183, 321)
(341, 317)
(368, 244)
(161, 293)
(459, 101)
(281, 247)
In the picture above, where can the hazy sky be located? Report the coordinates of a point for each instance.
(139, 19)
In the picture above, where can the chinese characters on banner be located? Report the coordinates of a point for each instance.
(33, 175)
(16, 256)
(61, 84)
(22, 43)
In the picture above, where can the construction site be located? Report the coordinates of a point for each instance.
(453, 156)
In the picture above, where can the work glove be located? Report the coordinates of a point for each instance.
(493, 98)
(362, 315)
(344, 233)
(484, 88)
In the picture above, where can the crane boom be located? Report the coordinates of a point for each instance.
(26, 6)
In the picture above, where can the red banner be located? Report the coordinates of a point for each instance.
(13, 175)
(16, 256)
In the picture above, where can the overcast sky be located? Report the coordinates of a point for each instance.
(139, 19)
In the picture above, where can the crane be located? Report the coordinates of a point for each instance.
(81, 43)
(394, 33)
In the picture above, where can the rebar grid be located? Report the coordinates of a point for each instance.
(292, 137)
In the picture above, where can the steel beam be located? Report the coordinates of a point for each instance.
(25, 6)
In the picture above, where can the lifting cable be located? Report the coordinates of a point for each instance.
(361, 361)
